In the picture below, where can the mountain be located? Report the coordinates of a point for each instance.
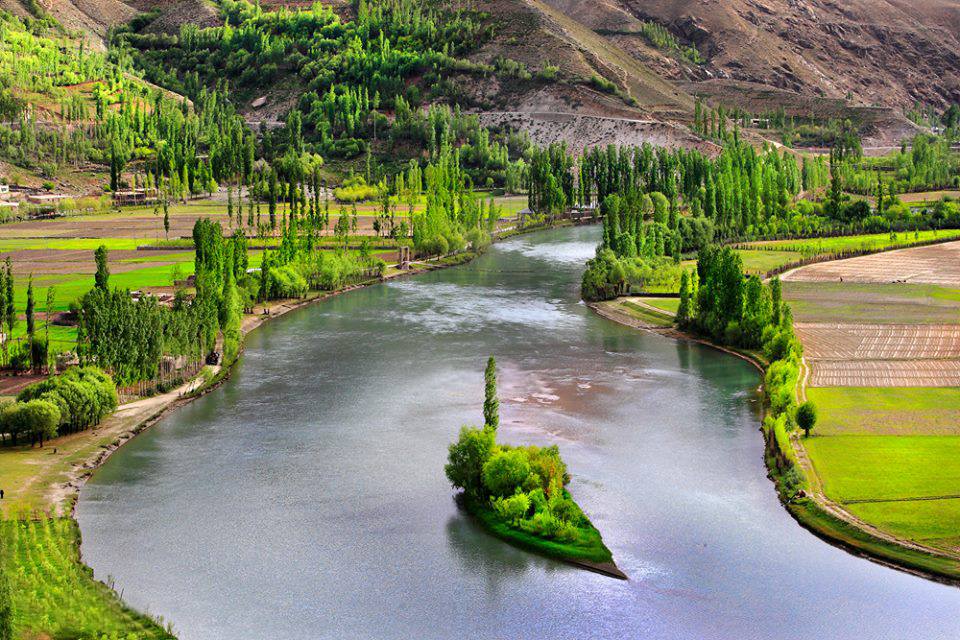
(629, 70)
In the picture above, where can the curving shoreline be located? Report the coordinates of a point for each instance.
(816, 513)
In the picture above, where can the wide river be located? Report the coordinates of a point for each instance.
(305, 498)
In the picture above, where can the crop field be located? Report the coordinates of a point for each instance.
(865, 242)
(885, 373)
(887, 411)
(849, 302)
(885, 376)
(879, 341)
(859, 468)
(51, 590)
(762, 261)
(934, 264)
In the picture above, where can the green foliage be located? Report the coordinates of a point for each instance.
(807, 417)
(491, 405)
(506, 471)
(467, 457)
(52, 593)
(82, 396)
(518, 492)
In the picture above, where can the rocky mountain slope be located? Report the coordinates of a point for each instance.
(876, 52)
(867, 59)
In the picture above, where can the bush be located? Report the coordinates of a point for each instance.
(505, 471)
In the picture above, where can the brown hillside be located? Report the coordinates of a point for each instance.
(880, 52)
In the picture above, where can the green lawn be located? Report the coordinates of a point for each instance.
(887, 411)
(886, 467)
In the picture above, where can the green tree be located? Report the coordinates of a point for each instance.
(807, 417)
(491, 405)
(42, 418)
(30, 322)
(102, 277)
(684, 311)
(466, 458)
(505, 471)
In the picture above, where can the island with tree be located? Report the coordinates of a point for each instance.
(519, 493)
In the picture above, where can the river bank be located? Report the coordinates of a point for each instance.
(811, 509)
(43, 484)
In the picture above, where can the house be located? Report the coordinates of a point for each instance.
(133, 197)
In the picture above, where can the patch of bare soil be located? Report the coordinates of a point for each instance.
(583, 131)
(828, 341)
(878, 52)
(885, 373)
(935, 264)
(176, 14)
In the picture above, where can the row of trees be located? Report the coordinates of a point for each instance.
(75, 400)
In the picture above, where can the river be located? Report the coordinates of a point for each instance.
(305, 498)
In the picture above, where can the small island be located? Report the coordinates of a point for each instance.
(519, 494)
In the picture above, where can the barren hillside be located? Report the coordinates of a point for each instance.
(879, 52)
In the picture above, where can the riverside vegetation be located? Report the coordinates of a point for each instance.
(519, 493)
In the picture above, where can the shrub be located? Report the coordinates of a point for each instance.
(512, 509)
(505, 471)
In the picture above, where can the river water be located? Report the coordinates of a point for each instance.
(306, 498)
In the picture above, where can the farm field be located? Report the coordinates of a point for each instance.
(866, 242)
(884, 363)
(934, 264)
(764, 257)
(887, 411)
(861, 468)
(52, 590)
(885, 373)
(828, 341)
(850, 302)
(59, 252)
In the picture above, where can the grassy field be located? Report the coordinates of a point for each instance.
(872, 303)
(867, 242)
(670, 305)
(856, 468)
(887, 411)
(52, 593)
(762, 261)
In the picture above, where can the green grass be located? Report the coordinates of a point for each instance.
(878, 303)
(53, 595)
(866, 242)
(670, 305)
(935, 522)
(887, 411)
(762, 261)
(837, 531)
(886, 467)
(645, 314)
(596, 551)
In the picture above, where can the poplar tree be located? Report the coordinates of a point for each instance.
(491, 405)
